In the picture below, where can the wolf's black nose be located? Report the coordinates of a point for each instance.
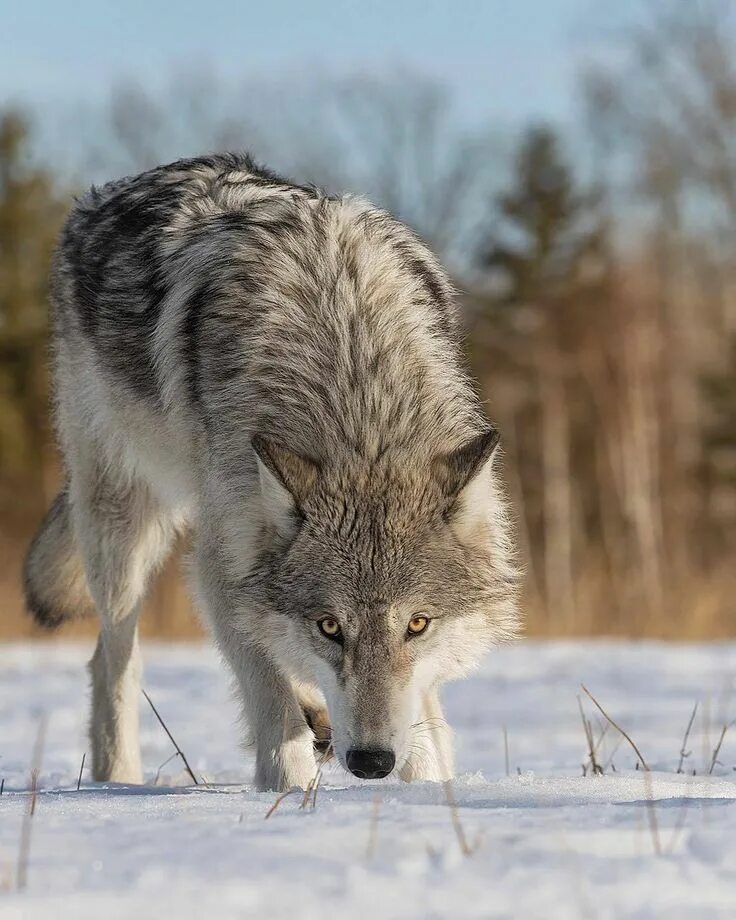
(371, 764)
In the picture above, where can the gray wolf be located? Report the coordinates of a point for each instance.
(277, 372)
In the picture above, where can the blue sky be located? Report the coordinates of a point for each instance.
(503, 59)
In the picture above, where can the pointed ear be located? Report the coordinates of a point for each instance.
(287, 480)
(458, 469)
(468, 485)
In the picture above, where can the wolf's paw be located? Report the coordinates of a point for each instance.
(318, 720)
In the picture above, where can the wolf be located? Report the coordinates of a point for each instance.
(278, 373)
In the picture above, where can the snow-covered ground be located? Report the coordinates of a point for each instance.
(548, 842)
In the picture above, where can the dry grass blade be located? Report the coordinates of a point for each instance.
(316, 790)
(603, 727)
(609, 761)
(81, 770)
(158, 772)
(615, 725)
(652, 813)
(171, 738)
(594, 765)
(684, 753)
(506, 750)
(24, 847)
(465, 847)
(680, 823)
(308, 791)
(278, 801)
(373, 829)
(314, 783)
(717, 748)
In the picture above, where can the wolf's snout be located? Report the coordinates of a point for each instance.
(371, 764)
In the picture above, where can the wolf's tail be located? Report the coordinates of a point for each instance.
(53, 575)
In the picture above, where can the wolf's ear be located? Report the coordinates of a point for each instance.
(465, 477)
(287, 479)
(459, 468)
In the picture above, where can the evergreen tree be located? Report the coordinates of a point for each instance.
(550, 241)
(547, 256)
(30, 215)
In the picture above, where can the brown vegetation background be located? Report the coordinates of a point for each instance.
(596, 272)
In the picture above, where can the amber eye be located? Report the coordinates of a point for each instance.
(417, 625)
(330, 627)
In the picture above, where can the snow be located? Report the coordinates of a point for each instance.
(547, 841)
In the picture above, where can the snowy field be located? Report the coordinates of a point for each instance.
(547, 841)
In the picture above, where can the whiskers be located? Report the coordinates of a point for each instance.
(424, 745)
(420, 753)
(431, 723)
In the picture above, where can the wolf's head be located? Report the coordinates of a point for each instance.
(390, 578)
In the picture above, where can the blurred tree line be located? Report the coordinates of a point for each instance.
(30, 217)
(598, 282)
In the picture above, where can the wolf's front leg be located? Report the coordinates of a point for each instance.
(283, 739)
(431, 754)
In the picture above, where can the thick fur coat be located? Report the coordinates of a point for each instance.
(277, 371)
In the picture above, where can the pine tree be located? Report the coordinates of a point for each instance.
(30, 215)
(550, 243)
(547, 258)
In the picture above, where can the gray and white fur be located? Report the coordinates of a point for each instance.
(278, 372)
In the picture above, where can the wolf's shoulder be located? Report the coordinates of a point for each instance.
(112, 244)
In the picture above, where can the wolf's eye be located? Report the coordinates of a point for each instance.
(329, 627)
(417, 625)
